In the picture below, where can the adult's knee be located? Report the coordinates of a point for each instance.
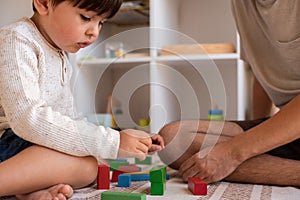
(169, 131)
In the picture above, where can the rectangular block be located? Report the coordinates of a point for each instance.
(115, 164)
(124, 180)
(140, 177)
(115, 175)
(197, 186)
(103, 179)
(147, 161)
(157, 188)
(109, 195)
(130, 168)
(158, 174)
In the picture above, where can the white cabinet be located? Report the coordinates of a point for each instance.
(165, 88)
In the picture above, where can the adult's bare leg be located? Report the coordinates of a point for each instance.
(185, 138)
(262, 169)
(268, 169)
(37, 168)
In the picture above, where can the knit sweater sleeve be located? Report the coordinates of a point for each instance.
(30, 116)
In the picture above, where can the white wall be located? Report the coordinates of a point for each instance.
(12, 10)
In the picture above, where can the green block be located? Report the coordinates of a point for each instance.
(158, 188)
(147, 161)
(215, 117)
(115, 164)
(109, 195)
(158, 174)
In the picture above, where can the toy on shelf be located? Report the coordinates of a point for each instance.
(215, 114)
(114, 49)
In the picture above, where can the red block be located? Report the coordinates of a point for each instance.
(130, 168)
(197, 186)
(103, 181)
(115, 175)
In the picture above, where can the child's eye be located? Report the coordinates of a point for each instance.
(84, 18)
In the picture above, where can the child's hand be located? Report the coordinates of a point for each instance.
(134, 143)
(157, 143)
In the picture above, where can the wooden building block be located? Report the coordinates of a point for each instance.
(157, 188)
(130, 168)
(140, 177)
(109, 195)
(124, 180)
(158, 174)
(147, 161)
(115, 164)
(115, 175)
(103, 179)
(197, 186)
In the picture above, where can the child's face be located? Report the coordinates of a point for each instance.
(70, 28)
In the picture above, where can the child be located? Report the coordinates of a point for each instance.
(45, 151)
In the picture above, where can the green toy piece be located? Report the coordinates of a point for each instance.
(158, 174)
(109, 195)
(158, 188)
(115, 164)
(147, 161)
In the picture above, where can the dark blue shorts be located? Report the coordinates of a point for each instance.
(11, 144)
(289, 151)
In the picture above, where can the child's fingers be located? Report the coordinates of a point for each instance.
(155, 147)
(146, 141)
(158, 140)
(142, 147)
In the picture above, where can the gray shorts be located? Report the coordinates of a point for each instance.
(290, 150)
(11, 144)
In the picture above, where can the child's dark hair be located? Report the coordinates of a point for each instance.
(99, 6)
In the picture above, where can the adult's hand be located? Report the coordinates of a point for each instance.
(211, 164)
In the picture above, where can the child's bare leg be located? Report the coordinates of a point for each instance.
(37, 168)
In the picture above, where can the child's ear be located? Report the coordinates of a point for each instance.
(42, 6)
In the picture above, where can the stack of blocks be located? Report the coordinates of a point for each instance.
(215, 114)
(158, 179)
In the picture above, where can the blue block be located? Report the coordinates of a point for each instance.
(215, 112)
(124, 180)
(140, 177)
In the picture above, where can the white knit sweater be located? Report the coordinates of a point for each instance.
(36, 100)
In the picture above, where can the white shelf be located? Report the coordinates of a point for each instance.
(106, 61)
(228, 56)
(157, 88)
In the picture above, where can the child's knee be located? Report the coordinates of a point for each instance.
(88, 170)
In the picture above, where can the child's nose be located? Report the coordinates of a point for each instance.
(93, 31)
